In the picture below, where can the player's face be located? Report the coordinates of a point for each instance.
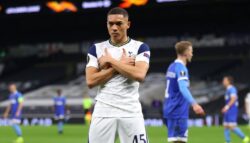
(117, 27)
(225, 82)
(12, 88)
(189, 54)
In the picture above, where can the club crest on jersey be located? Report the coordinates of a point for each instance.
(183, 73)
(130, 54)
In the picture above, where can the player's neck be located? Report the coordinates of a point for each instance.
(121, 42)
(184, 61)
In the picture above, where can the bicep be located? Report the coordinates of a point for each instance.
(182, 83)
(233, 92)
(142, 66)
(233, 97)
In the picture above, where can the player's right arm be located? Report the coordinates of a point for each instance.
(94, 75)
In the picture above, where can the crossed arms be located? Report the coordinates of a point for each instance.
(126, 66)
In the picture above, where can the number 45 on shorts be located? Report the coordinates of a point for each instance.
(140, 139)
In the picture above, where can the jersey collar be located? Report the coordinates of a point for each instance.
(119, 45)
(14, 93)
(179, 61)
(229, 86)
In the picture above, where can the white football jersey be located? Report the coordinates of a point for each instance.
(119, 97)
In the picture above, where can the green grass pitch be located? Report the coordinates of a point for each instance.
(79, 133)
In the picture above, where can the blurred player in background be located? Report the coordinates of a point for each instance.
(230, 110)
(177, 96)
(247, 107)
(87, 104)
(59, 109)
(117, 66)
(15, 109)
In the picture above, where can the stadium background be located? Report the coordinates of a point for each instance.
(43, 48)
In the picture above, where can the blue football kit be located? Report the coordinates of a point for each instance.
(177, 101)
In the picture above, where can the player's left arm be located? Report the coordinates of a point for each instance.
(20, 105)
(233, 99)
(183, 84)
(137, 72)
(133, 68)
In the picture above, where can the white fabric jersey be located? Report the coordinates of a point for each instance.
(119, 97)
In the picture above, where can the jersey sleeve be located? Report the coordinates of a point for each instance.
(183, 86)
(143, 54)
(232, 92)
(92, 60)
(181, 72)
(183, 83)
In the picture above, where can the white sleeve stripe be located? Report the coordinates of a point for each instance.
(145, 56)
(182, 78)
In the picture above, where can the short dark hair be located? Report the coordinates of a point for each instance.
(118, 10)
(182, 46)
(230, 79)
